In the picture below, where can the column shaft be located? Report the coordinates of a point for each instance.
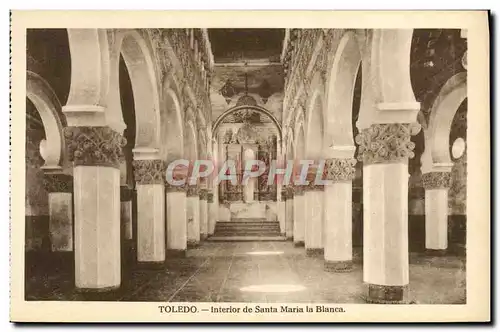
(313, 235)
(299, 212)
(150, 223)
(289, 220)
(176, 221)
(193, 217)
(97, 228)
(203, 214)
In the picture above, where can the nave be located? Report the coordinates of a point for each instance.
(259, 272)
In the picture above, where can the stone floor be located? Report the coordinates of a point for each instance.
(257, 272)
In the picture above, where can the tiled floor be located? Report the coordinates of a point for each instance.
(261, 272)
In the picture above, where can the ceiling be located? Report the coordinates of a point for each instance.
(232, 45)
(247, 61)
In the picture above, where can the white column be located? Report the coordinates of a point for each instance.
(149, 177)
(193, 216)
(203, 214)
(176, 211)
(289, 213)
(97, 206)
(97, 227)
(384, 150)
(313, 235)
(60, 189)
(299, 211)
(338, 215)
(212, 212)
(436, 186)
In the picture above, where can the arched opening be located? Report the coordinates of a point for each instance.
(245, 109)
(172, 132)
(36, 198)
(344, 93)
(314, 128)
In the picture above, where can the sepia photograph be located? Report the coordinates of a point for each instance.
(216, 171)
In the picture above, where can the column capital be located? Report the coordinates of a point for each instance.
(149, 171)
(171, 188)
(299, 190)
(436, 180)
(192, 191)
(339, 169)
(58, 183)
(210, 197)
(290, 191)
(203, 193)
(387, 143)
(94, 146)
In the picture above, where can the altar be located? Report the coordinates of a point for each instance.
(247, 138)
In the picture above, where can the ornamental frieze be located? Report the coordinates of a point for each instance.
(340, 169)
(386, 143)
(58, 183)
(436, 180)
(149, 171)
(94, 146)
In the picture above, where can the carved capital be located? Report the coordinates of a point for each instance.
(193, 191)
(149, 171)
(387, 143)
(171, 188)
(299, 190)
(290, 191)
(58, 183)
(203, 194)
(210, 197)
(436, 180)
(340, 169)
(94, 146)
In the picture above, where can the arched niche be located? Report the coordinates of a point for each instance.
(341, 80)
(258, 109)
(47, 104)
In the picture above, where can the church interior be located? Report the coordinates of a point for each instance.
(108, 109)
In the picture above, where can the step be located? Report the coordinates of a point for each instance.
(248, 233)
(251, 228)
(245, 238)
